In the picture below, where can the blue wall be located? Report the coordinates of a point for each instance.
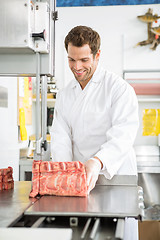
(74, 3)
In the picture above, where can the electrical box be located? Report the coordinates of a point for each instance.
(16, 24)
(27, 27)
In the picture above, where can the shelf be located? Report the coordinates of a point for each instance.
(48, 100)
(148, 98)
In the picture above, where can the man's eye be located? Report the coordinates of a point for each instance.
(71, 60)
(84, 60)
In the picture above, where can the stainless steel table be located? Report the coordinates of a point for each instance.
(103, 201)
(105, 208)
(14, 202)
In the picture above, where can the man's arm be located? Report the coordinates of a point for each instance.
(120, 137)
(61, 144)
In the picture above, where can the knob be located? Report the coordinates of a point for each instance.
(40, 35)
(44, 145)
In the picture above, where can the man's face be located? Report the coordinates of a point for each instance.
(82, 63)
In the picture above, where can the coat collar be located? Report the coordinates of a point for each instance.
(96, 78)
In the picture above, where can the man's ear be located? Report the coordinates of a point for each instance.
(98, 54)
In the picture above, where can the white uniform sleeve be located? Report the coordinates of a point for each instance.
(121, 135)
(61, 145)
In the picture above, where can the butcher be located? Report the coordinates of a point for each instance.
(96, 114)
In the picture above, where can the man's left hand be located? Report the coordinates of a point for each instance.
(93, 168)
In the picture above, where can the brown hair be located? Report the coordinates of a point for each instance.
(80, 35)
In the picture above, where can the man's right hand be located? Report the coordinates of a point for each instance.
(93, 168)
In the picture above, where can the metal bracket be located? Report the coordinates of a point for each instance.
(39, 145)
(73, 221)
(55, 15)
(38, 222)
(95, 228)
(119, 234)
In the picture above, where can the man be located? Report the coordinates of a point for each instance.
(96, 115)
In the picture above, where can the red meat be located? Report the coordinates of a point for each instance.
(6, 178)
(59, 178)
(8, 185)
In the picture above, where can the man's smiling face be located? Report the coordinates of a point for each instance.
(82, 63)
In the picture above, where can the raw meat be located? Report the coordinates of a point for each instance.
(59, 178)
(6, 178)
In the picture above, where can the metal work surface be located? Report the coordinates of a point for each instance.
(103, 201)
(117, 180)
(14, 202)
(148, 164)
(150, 184)
(99, 216)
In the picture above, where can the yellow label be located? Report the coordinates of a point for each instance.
(151, 122)
(23, 131)
(26, 93)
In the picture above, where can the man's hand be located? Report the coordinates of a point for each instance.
(93, 168)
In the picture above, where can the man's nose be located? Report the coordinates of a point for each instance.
(78, 65)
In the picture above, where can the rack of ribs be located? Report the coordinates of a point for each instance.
(58, 178)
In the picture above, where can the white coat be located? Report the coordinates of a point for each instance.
(100, 120)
